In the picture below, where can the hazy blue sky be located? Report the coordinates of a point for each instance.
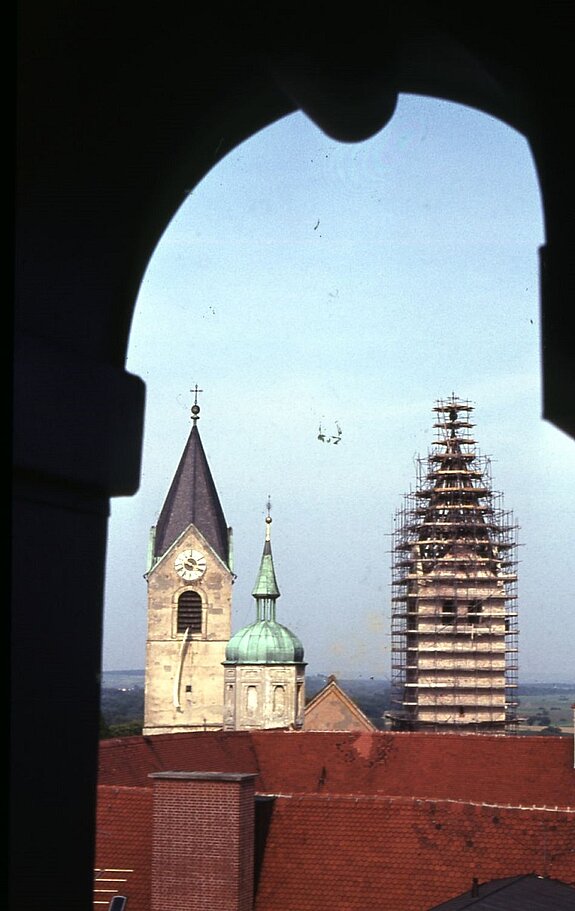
(306, 282)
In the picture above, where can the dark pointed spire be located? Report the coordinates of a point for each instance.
(192, 499)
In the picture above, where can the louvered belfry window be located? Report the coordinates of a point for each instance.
(189, 612)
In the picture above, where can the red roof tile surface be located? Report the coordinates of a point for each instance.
(376, 853)
(361, 820)
(520, 771)
(123, 846)
(130, 760)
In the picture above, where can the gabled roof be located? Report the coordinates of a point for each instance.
(192, 500)
(333, 710)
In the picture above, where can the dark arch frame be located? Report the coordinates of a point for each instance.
(122, 109)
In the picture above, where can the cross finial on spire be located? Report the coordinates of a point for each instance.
(195, 406)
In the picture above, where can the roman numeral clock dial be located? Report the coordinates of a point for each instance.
(190, 565)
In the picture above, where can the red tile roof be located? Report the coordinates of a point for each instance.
(527, 771)
(362, 853)
(356, 853)
(130, 760)
(360, 820)
(123, 846)
(519, 771)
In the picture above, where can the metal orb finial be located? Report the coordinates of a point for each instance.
(268, 518)
(195, 407)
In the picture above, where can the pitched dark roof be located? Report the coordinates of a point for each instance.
(192, 500)
(518, 893)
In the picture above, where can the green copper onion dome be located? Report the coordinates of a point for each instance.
(266, 641)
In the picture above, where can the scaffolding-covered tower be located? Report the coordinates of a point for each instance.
(454, 591)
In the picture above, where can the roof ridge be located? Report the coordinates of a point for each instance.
(410, 801)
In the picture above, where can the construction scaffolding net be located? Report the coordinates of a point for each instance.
(454, 622)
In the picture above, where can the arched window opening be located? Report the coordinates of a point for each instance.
(189, 612)
(279, 700)
(299, 698)
(418, 248)
(251, 699)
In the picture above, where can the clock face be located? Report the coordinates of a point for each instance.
(190, 565)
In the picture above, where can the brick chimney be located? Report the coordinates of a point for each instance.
(203, 841)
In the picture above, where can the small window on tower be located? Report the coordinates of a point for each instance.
(251, 700)
(474, 612)
(448, 609)
(279, 700)
(189, 612)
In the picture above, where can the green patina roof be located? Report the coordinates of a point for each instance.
(266, 585)
(264, 642)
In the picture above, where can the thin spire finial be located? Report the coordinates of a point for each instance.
(195, 407)
(268, 517)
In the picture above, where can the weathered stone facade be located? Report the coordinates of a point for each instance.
(184, 671)
(332, 710)
(261, 696)
(264, 666)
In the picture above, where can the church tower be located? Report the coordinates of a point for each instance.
(454, 614)
(189, 600)
(264, 666)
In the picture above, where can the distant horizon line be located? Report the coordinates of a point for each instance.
(142, 671)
